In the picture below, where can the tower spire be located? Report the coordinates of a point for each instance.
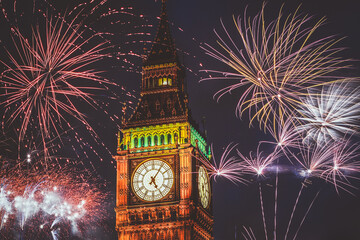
(163, 93)
(163, 48)
(163, 7)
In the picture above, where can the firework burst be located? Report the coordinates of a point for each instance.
(330, 113)
(259, 162)
(343, 165)
(228, 167)
(276, 62)
(285, 135)
(51, 71)
(334, 162)
(34, 200)
(314, 159)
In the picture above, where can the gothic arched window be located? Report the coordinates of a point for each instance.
(169, 139)
(149, 141)
(156, 140)
(142, 142)
(176, 138)
(162, 140)
(135, 142)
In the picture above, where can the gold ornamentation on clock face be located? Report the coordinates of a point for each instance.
(204, 187)
(152, 180)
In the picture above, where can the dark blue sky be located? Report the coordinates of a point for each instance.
(333, 216)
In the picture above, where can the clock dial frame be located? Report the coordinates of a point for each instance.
(152, 180)
(204, 187)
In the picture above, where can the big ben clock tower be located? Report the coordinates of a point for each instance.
(163, 189)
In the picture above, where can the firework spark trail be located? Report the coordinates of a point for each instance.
(262, 211)
(302, 221)
(276, 202)
(293, 211)
(330, 113)
(276, 61)
(249, 234)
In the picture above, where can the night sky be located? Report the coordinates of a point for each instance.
(332, 217)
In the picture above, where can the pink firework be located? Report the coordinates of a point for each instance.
(285, 135)
(258, 163)
(334, 162)
(343, 165)
(228, 167)
(314, 159)
(47, 75)
(287, 138)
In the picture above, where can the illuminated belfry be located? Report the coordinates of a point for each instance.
(163, 189)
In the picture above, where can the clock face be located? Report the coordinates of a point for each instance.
(152, 180)
(204, 187)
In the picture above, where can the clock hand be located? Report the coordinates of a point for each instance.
(153, 181)
(159, 170)
(153, 178)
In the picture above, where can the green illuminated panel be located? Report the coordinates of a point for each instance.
(159, 137)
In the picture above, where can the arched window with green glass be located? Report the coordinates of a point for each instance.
(149, 141)
(169, 139)
(135, 142)
(142, 142)
(155, 140)
(162, 140)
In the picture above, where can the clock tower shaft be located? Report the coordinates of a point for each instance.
(161, 130)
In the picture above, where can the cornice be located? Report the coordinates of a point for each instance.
(159, 91)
